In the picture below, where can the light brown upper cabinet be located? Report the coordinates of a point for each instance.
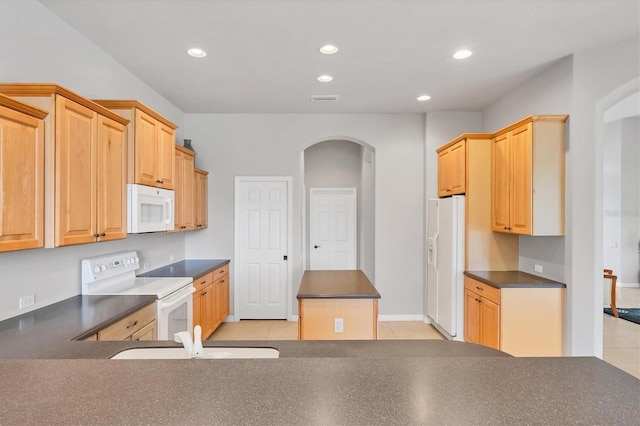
(85, 165)
(21, 175)
(528, 163)
(151, 143)
(452, 168)
(184, 191)
(201, 198)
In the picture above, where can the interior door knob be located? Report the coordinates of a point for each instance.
(316, 246)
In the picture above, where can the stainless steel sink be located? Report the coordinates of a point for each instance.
(209, 353)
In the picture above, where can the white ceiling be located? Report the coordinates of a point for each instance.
(263, 54)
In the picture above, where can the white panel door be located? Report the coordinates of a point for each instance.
(333, 229)
(263, 236)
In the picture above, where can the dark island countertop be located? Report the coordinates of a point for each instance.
(193, 268)
(336, 285)
(513, 279)
(47, 378)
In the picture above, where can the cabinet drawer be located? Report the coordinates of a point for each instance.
(221, 280)
(124, 328)
(148, 332)
(223, 270)
(482, 289)
(203, 281)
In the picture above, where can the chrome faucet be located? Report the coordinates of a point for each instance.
(194, 348)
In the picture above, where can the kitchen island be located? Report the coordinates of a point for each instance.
(337, 305)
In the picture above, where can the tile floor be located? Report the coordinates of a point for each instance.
(286, 330)
(621, 338)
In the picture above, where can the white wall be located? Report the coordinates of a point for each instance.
(37, 46)
(367, 204)
(596, 74)
(611, 197)
(230, 145)
(630, 201)
(549, 92)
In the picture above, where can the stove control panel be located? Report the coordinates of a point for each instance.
(109, 266)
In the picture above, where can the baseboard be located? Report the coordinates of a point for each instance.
(232, 318)
(401, 318)
(628, 285)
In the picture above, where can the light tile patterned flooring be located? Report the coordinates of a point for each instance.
(621, 338)
(287, 330)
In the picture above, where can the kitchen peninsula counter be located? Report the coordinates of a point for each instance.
(337, 305)
(319, 391)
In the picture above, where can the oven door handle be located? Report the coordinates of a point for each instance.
(177, 298)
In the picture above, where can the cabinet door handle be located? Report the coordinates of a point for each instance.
(160, 181)
(477, 300)
(202, 283)
(103, 234)
(96, 235)
(316, 246)
(133, 325)
(221, 281)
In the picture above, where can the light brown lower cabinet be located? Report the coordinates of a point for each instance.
(211, 300)
(521, 321)
(140, 325)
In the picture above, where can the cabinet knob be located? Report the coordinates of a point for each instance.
(96, 235)
(103, 234)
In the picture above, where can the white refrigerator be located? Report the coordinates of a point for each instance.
(445, 265)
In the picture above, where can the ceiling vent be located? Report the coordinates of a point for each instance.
(323, 98)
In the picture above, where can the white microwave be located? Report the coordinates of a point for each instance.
(149, 209)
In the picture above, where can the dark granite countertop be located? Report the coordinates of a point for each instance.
(49, 379)
(336, 285)
(193, 268)
(47, 332)
(319, 391)
(513, 279)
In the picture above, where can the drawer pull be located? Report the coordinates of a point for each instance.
(133, 325)
(477, 300)
(221, 281)
(203, 282)
(479, 288)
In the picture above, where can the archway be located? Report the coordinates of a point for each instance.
(342, 162)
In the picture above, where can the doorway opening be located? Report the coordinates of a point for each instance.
(342, 164)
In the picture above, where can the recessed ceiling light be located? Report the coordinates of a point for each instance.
(462, 54)
(196, 52)
(325, 78)
(423, 98)
(328, 49)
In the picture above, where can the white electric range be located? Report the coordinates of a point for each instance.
(114, 274)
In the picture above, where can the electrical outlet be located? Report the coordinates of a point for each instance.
(27, 301)
(338, 325)
(537, 268)
(171, 258)
(145, 265)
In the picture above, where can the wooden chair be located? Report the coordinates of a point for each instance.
(608, 274)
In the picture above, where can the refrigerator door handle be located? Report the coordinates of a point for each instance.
(432, 251)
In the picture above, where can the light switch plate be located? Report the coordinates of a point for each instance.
(538, 268)
(27, 301)
(338, 325)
